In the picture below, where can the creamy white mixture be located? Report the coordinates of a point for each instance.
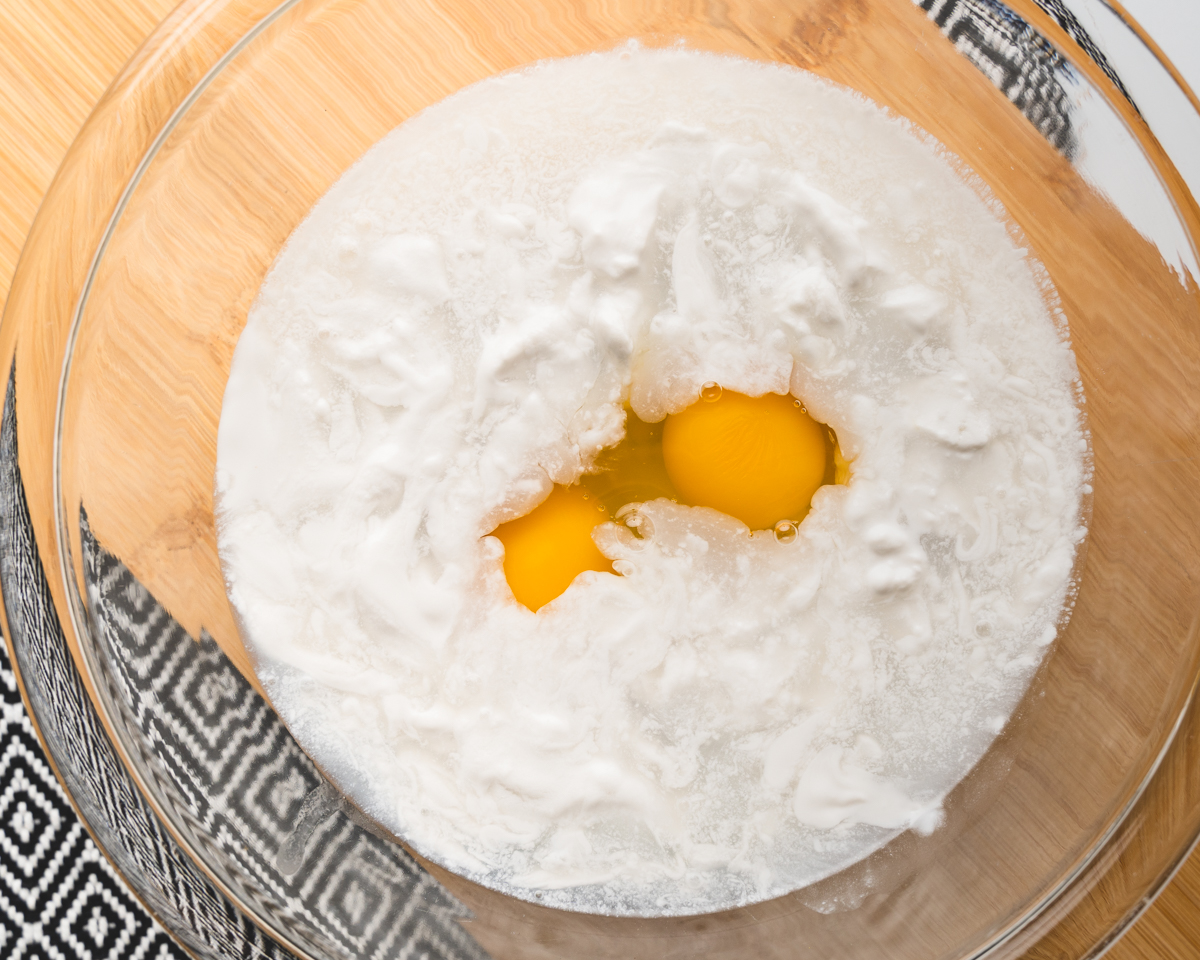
(459, 323)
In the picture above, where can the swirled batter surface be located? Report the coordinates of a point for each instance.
(461, 322)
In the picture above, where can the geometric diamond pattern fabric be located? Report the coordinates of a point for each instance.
(233, 765)
(207, 726)
(59, 897)
(145, 855)
(1020, 61)
(1016, 58)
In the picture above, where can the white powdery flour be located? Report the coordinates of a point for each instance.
(460, 322)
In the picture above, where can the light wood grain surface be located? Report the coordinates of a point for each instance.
(56, 58)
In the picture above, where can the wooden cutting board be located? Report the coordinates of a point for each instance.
(56, 58)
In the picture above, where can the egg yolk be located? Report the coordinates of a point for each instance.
(759, 459)
(551, 545)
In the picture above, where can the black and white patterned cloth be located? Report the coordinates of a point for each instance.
(218, 757)
(248, 786)
(222, 758)
(59, 896)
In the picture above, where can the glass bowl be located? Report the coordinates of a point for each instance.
(211, 146)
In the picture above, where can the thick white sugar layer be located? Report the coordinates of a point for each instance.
(459, 323)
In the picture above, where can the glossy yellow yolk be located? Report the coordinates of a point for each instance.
(551, 545)
(759, 459)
